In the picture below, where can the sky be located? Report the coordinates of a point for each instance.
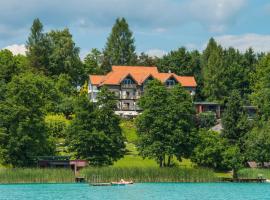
(158, 26)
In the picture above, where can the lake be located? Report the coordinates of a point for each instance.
(141, 191)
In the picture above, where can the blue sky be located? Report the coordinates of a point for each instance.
(158, 25)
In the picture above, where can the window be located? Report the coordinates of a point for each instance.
(128, 81)
(170, 82)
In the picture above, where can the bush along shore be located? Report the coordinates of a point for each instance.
(35, 175)
(154, 174)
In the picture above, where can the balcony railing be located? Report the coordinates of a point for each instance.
(129, 97)
(128, 85)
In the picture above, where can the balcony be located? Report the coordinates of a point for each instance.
(128, 97)
(129, 86)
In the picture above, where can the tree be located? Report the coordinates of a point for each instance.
(94, 133)
(213, 72)
(234, 121)
(261, 83)
(258, 143)
(146, 60)
(93, 62)
(208, 152)
(38, 47)
(206, 119)
(159, 138)
(23, 134)
(181, 115)
(64, 57)
(120, 48)
(8, 66)
(151, 126)
(232, 159)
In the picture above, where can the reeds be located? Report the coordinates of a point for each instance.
(36, 175)
(150, 174)
(254, 173)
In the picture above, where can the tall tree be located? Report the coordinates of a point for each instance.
(120, 48)
(234, 120)
(258, 143)
(38, 47)
(93, 62)
(95, 133)
(213, 72)
(23, 134)
(64, 58)
(159, 138)
(261, 87)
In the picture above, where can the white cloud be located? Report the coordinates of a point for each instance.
(260, 43)
(155, 53)
(17, 49)
(215, 14)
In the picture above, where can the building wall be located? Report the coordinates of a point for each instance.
(127, 95)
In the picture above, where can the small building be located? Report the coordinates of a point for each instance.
(208, 107)
(53, 162)
(61, 162)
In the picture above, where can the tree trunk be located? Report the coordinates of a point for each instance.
(169, 161)
(235, 176)
(160, 161)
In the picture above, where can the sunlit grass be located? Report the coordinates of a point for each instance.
(36, 175)
(149, 174)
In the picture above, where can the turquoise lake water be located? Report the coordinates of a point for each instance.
(143, 191)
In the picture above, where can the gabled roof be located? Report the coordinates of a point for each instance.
(96, 79)
(187, 81)
(134, 69)
(139, 74)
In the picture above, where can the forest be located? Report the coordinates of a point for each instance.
(45, 109)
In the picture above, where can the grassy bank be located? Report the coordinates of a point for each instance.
(149, 174)
(35, 175)
(254, 173)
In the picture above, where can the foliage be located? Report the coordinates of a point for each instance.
(120, 48)
(38, 47)
(64, 58)
(261, 83)
(233, 159)
(208, 152)
(159, 138)
(95, 133)
(56, 125)
(149, 174)
(234, 121)
(258, 143)
(93, 62)
(206, 119)
(23, 134)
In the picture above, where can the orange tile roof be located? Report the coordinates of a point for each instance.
(139, 74)
(96, 79)
(134, 69)
(187, 81)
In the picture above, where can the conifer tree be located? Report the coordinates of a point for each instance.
(38, 47)
(120, 48)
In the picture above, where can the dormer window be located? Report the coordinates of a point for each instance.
(128, 81)
(170, 82)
